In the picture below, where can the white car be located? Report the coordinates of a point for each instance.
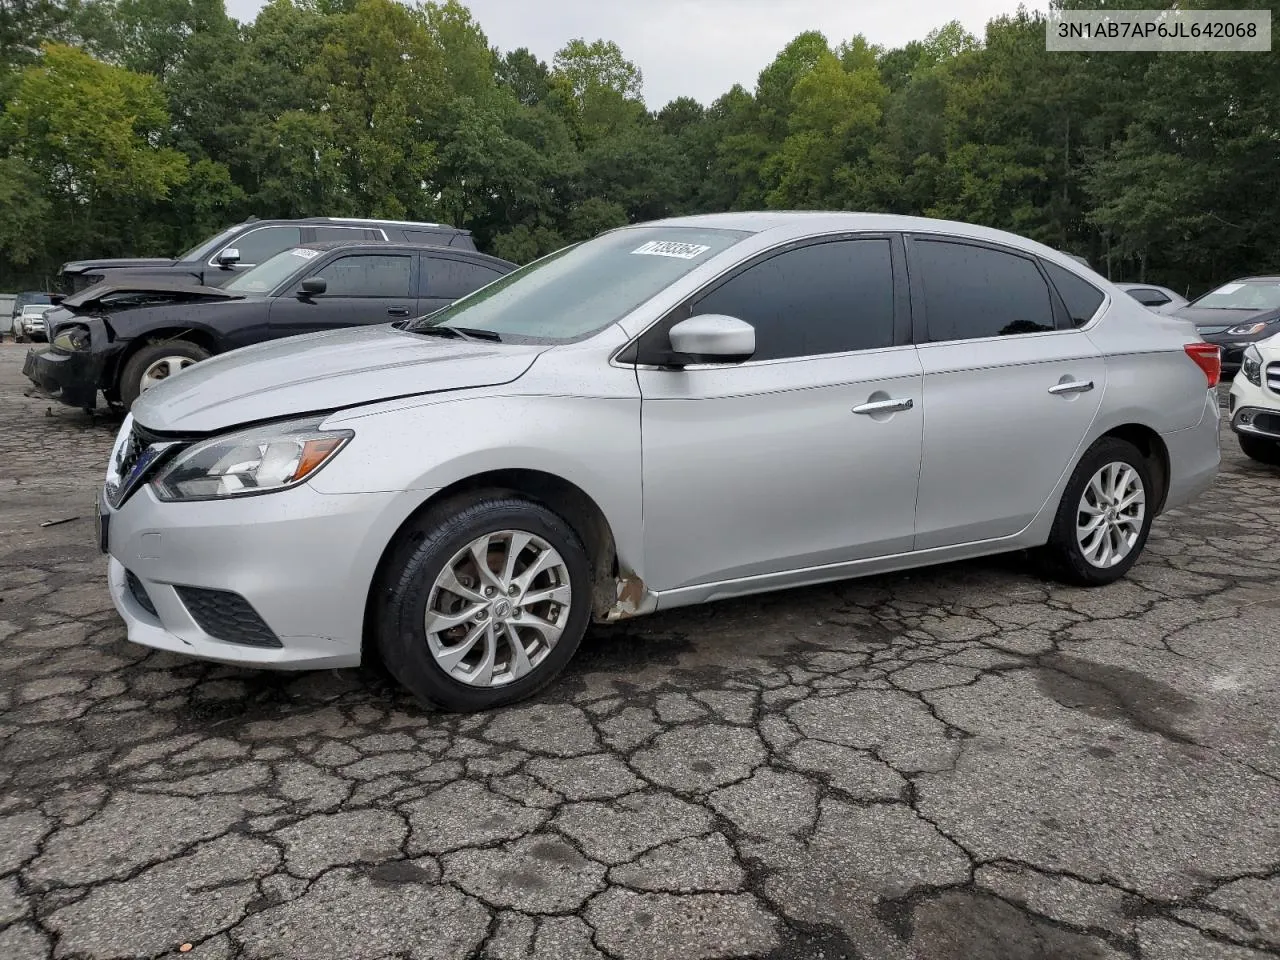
(30, 322)
(1255, 402)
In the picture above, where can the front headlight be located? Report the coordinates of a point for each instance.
(1246, 329)
(261, 460)
(1251, 366)
(72, 340)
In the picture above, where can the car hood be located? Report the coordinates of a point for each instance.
(122, 293)
(84, 266)
(324, 371)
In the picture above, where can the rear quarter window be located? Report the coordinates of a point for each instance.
(1081, 297)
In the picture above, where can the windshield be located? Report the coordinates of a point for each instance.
(580, 290)
(1243, 295)
(272, 272)
(205, 248)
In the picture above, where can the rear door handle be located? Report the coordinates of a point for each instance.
(1071, 386)
(398, 311)
(884, 406)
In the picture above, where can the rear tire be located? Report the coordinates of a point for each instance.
(1260, 449)
(474, 664)
(154, 362)
(1103, 521)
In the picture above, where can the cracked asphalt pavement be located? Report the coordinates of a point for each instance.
(964, 762)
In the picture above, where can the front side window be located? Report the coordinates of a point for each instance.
(367, 276)
(1243, 295)
(1081, 297)
(971, 292)
(272, 272)
(206, 247)
(831, 297)
(258, 246)
(579, 290)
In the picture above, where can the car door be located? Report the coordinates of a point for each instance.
(360, 288)
(1011, 386)
(444, 279)
(807, 454)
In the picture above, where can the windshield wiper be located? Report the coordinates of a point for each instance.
(458, 333)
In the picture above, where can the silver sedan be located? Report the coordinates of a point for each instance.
(672, 413)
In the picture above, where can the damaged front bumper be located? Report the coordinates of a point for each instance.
(72, 377)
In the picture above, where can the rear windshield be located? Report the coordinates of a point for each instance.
(1243, 295)
(273, 271)
(580, 290)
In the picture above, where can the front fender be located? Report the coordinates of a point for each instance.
(590, 442)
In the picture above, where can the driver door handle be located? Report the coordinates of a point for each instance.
(398, 311)
(1071, 386)
(883, 406)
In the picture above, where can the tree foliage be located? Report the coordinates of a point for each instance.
(138, 127)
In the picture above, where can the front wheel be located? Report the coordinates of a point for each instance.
(1102, 523)
(1260, 449)
(154, 363)
(483, 606)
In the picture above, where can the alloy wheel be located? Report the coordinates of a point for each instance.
(497, 608)
(1110, 515)
(163, 369)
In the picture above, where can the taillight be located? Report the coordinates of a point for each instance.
(1208, 357)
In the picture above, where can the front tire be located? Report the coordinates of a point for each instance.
(156, 362)
(1260, 449)
(484, 605)
(1103, 521)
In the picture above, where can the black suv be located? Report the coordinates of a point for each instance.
(125, 335)
(219, 259)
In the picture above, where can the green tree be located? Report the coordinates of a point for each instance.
(603, 87)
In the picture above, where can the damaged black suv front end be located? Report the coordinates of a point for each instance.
(71, 368)
(88, 340)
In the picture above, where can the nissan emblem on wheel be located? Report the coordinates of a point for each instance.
(669, 414)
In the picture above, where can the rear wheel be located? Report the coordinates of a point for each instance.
(1103, 521)
(1260, 449)
(155, 363)
(483, 606)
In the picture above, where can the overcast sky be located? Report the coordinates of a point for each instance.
(701, 48)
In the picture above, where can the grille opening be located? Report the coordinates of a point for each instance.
(227, 616)
(139, 593)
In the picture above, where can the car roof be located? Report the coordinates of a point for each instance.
(382, 246)
(786, 224)
(362, 220)
(1254, 280)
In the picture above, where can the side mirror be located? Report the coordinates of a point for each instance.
(312, 286)
(228, 257)
(712, 338)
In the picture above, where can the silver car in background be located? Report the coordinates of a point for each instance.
(672, 413)
(1154, 297)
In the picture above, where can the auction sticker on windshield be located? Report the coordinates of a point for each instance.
(672, 248)
(304, 253)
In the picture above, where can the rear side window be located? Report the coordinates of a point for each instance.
(432, 238)
(368, 276)
(1081, 297)
(346, 233)
(451, 279)
(1149, 298)
(971, 292)
(833, 297)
